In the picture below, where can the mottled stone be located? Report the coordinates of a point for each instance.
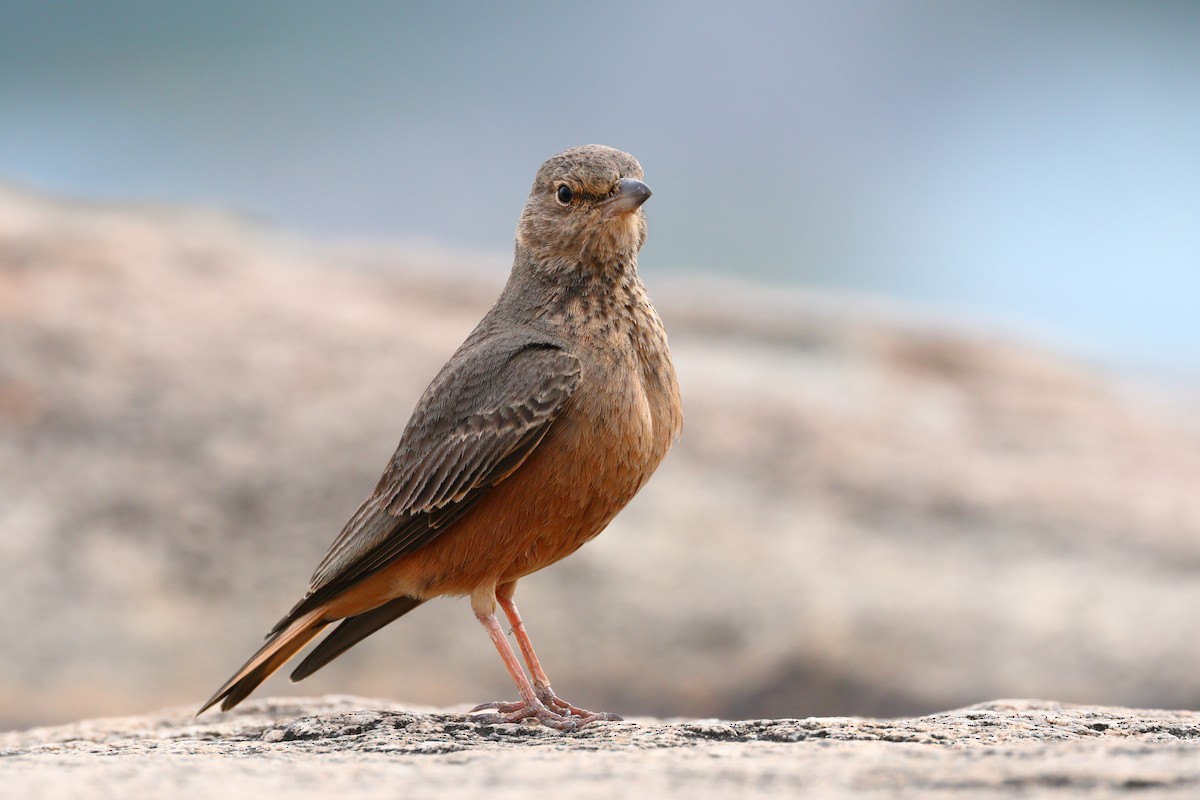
(357, 748)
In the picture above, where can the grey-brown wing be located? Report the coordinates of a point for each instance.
(477, 422)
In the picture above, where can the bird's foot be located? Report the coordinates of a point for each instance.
(557, 714)
(556, 703)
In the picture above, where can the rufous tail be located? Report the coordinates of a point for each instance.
(271, 656)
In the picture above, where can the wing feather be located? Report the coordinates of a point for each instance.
(475, 425)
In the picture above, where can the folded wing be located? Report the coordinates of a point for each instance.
(475, 425)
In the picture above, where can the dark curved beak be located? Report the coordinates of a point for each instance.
(629, 196)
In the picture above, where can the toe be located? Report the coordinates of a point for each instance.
(557, 714)
(497, 705)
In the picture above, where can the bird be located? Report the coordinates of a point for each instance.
(547, 420)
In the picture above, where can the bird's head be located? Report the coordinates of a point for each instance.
(584, 211)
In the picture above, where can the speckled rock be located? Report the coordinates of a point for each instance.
(355, 748)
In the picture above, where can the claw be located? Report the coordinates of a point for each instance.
(553, 701)
(497, 705)
(517, 712)
(551, 711)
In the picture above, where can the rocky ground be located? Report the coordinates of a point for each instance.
(869, 513)
(354, 748)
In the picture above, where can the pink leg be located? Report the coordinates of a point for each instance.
(530, 705)
(541, 683)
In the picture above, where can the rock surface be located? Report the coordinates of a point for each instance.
(867, 514)
(332, 747)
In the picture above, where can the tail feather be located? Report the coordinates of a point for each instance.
(270, 657)
(351, 632)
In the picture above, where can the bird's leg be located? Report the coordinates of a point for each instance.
(541, 683)
(530, 705)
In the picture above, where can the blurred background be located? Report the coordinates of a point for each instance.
(929, 268)
(1031, 163)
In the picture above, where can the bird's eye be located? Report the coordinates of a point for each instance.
(565, 195)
